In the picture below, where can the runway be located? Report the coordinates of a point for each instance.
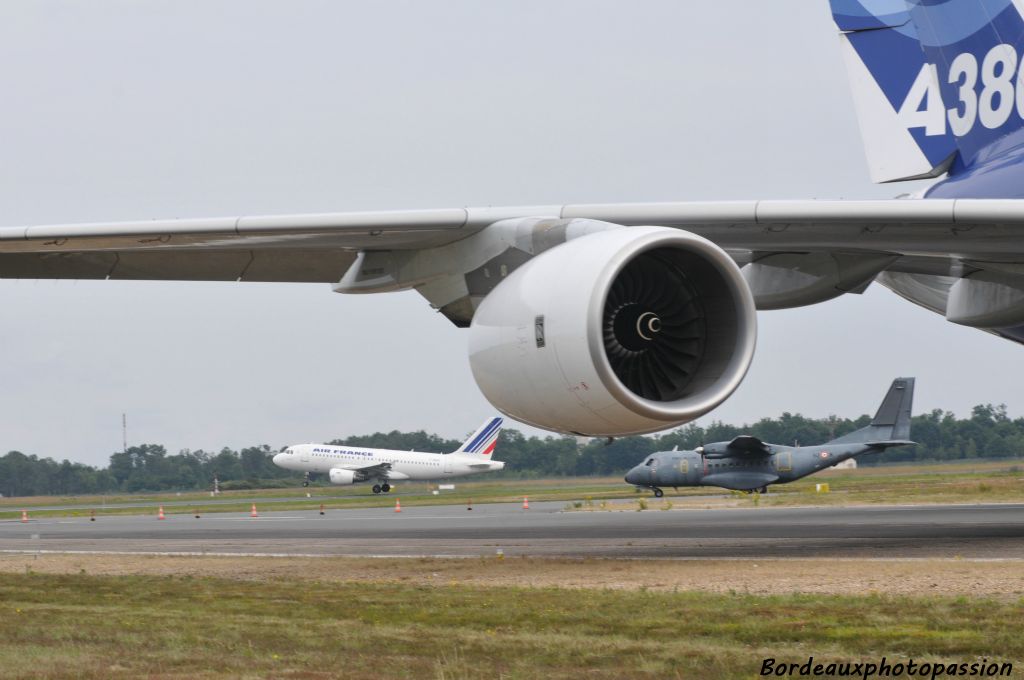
(968, 531)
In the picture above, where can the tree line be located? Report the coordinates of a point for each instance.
(988, 432)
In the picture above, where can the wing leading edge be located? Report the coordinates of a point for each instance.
(926, 235)
(943, 254)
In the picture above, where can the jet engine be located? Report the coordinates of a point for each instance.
(340, 476)
(625, 331)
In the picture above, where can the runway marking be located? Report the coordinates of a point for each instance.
(445, 556)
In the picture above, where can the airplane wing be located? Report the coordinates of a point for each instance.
(948, 237)
(748, 445)
(963, 258)
(377, 471)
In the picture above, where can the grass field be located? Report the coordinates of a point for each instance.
(84, 626)
(971, 482)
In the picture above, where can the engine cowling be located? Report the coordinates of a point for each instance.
(340, 476)
(626, 331)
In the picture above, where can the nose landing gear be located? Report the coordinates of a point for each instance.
(658, 493)
(305, 481)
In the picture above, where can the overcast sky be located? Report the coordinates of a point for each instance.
(126, 110)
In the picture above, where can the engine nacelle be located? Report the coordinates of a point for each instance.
(340, 476)
(626, 331)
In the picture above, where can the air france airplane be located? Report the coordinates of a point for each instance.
(354, 465)
(612, 319)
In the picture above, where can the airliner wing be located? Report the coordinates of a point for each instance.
(300, 248)
(378, 471)
(940, 236)
(963, 258)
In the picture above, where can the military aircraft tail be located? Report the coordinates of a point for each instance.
(891, 424)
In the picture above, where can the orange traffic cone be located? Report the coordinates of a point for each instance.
(24, 515)
(526, 503)
(253, 512)
(398, 505)
(160, 513)
(321, 508)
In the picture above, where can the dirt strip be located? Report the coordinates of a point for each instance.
(950, 577)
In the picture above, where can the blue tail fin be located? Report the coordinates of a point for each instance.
(895, 89)
(976, 47)
(933, 77)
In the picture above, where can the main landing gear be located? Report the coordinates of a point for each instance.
(381, 488)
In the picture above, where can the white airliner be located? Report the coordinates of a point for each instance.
(352, 465)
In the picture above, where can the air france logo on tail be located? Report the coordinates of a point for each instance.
(486, 439)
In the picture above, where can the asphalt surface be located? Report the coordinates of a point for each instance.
(219, 500)
(969, 531)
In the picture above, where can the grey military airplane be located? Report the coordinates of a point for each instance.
(748, 464)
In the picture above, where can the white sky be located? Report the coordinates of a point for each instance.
(126, 110)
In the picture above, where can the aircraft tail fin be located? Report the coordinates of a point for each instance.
(482, 442)
(937, 84)
(891, 424)
(975, 46)
(895, 90)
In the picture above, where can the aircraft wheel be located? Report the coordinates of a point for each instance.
(385, 487)
(305, 484)
(376, 488)
(764, 489)
(658, 493)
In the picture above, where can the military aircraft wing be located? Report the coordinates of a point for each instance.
(746, 444)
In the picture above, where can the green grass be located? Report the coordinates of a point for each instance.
(973, 482)
(99, 627)
(930, 484)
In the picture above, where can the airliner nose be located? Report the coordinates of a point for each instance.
(277, 459)
(633, 476)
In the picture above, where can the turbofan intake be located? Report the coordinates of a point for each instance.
(625, 331)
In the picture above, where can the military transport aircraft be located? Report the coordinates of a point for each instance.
(617, 319)
(356, 464)
(748, 464)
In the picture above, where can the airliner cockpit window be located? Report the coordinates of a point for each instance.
(650, 461)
